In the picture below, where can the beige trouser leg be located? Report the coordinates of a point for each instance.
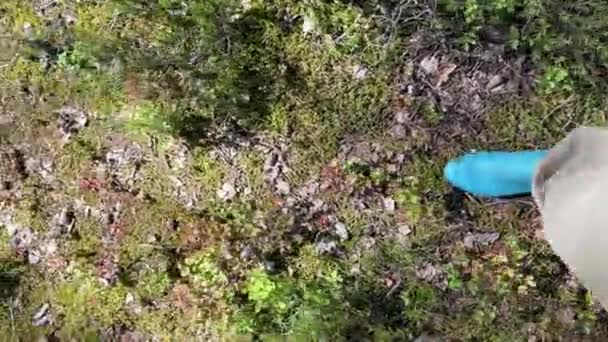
(571, 190)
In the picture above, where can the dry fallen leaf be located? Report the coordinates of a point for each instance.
(495, 82)
(473, 241)
(443, 73)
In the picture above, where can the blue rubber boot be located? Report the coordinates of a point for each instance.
(494, 174)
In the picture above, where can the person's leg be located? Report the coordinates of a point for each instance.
(570, 187)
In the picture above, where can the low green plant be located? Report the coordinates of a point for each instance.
(203, 271)
(419, 300)
(454, 278)
(408, 199)
(556, 78)
(309, 305)
(149, 118)
(87, 305)
(153, 284)
(266, 293)
(76, 59)
(552, 34)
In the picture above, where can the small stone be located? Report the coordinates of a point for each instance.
(341, 231)
(227, 192)
(71, 121)
(177, 158)
(367, 242)
(129, 298)
(360, 72)
(392, 169)
(69, 18)
(34, 257)
(246, 4)
(404, 230)
(309, 189)
(430, 65)
(297, 238)
(401, 117)
(399, 158)
(494, 82)
(43, 167)
(48, 247)
(325, 246)
(309, 25)
(152, 239)
(28, 30)
(7, 222)
(317, 206)
(270, 266)
(247, 252)
(283, 187)
(389, 204)
(426, 272)
(398, 131)
(42, 316)
(63, 222)
(132, 305)
(476, 103)
(22, 238)
(290, 202)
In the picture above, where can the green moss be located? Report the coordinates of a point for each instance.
(20, 14)
(431, 115)
(544, 121)
(149, 231)
(208, 172)
(94, 20)
(239, 215)
(167, 72)
(75, 159)
(167, 325)
(89, 244)
(31, 213)
(203, 271)
(280, 306)
(153, 284)
(419, 300)
(4, 242)
(252, 164)
(25, 71)
(278, 119)
(148, 117)
(86, 305)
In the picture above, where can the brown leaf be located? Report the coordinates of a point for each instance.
(443, 73)
(182, 298)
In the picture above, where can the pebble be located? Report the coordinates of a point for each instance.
(283, 187)
(341, 231)
(389, 204)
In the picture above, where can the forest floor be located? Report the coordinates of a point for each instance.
(272, 170)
